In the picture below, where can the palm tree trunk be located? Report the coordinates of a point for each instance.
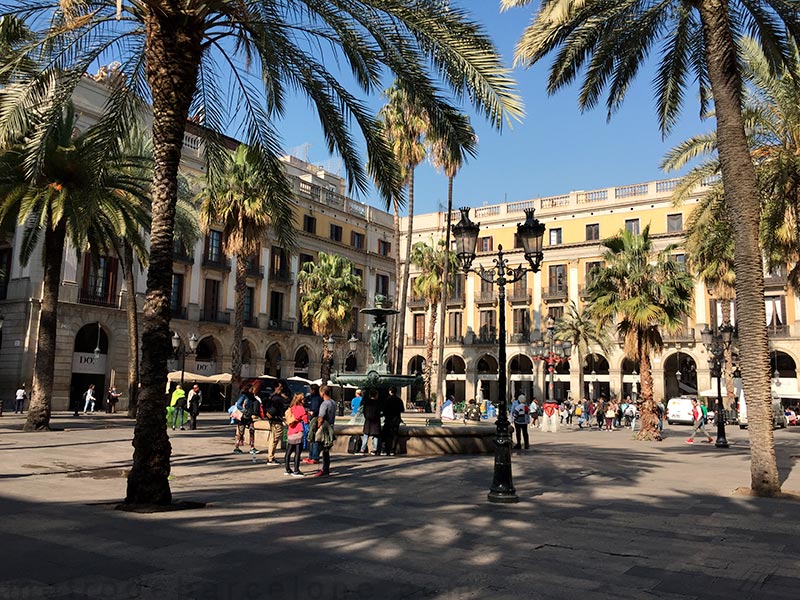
(173, 50)
(440, 373)
(44, 363)
(133, 329)
(401, 318)
(240, 287)
(429, 353)
(739, 176)
(726, 319)
(577, 345)
(327, 363)
(647, 406)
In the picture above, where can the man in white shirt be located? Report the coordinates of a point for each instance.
(19, 400)
(89, 399)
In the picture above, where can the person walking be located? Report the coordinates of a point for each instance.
(610, 414)
(296, 417)
(178, 404)
(699, 417)
(274, 412)
(111, 399)
(194, 400)
(247, 403)
(393, 409)
(312, 404)
(326, 418)
(89, 399)
(372, 422)
(521, 417)
(534, 412)
(19, 399)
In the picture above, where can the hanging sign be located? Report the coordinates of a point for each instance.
(85, 362)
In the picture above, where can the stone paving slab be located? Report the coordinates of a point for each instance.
(600, 516)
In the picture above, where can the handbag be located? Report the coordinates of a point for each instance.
(295, 438)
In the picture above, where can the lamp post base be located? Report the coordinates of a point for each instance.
(498, 497)
(502, 490)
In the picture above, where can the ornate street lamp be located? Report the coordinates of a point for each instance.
(555, 353)
(717, 346)
(530, 233)
(176, 348)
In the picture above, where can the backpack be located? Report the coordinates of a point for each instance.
(248, 408)
(704, 412)
(354, 444)
(289, 417)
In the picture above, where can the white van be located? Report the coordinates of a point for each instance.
(679, 410)
(779, 419)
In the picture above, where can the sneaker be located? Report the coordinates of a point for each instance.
(310, 461)
(237, 450)
(391, 454)
(272, 462)
(287, 473)
(373, 453)
(320, 473)
(253, 451)
(517, 447)
(690, 441)
(182, 428)
(710, 440)
(298, 474)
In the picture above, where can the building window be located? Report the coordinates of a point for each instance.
(360, 274)
(557, 278)
(419, 329)
(458, 283)
(384, 247)
(336, 233)
(632, 225)
(357, 240)
(591, 271)
(555, 312)
(487, 330)
(214, 246)
(99, 280)
(309, 224)
(211, 300)
(593, 232)
(486, 287)
(176, 298)
(521, 321)
(382, 285)
(303, 259)
(280, 262)
(675, 223)
(249, 301)
(681, 260)
(454, 321)
(275, 308)
(555, 236)
(485, 244)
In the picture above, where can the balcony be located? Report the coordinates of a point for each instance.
(775, 281)
(251, 322)
(456, 299)
(555, 293)
(486, 337)
(210, 315)
(685, 335)
(281, 276)
(183, 257)
(454, 340)
(179, 312)
(519, 338)
(417, 303)
(280, 325)
(583, 292)
(88, 297)
(412, 340)
(519, 295)
(485, 297)
(304, 329)
(255, 271)
(779, 330)
(218, 264)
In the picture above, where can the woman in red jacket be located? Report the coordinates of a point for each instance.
(295, 417)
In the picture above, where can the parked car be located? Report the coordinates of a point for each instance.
(679, 410)
(779, 419)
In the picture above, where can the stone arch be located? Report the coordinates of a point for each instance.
(520, 364)
(208, 349)
(596, 376)
(782, 362)
(88, 368)
(248, 358)
(272, 360)
(301, 361)
(597, 363)
(416, 364)
(486, 364)
(455, 365)
(680, 374)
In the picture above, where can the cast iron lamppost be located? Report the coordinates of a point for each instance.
(530, 234)
(176, 345)
(717, 345)
(555, 353)
(353, 347)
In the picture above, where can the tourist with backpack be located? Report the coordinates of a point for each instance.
(699, 414)
(249, 407)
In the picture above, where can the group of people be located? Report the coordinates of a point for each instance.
(308, 421)
(184, 407)
(382, 418)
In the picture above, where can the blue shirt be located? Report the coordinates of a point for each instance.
(355, 403)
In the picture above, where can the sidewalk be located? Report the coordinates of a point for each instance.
(600, 516)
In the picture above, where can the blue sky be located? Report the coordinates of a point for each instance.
(555, 150)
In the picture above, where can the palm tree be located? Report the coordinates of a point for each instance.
(174, 50)
(429, 284)
(249, 203)
(643, 293)
(85, 192)
(404, 123)
(698, 41)
(584, 332)
(443, 158)
(329, 287)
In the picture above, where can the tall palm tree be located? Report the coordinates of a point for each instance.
(85, 192)
(445, 159)
(430, 285)
(171, 52)
(329, 287)
(698, 41)
(404, 123)
(249, 203)
(643, 292)
(584, 332)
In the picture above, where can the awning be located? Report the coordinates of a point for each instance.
(189, 377)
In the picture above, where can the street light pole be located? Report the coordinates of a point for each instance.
(530, 233)
(717, 346)
(176, 344)
(556, 353)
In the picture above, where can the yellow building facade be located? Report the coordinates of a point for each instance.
(576, 223)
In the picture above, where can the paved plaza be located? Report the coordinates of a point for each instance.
(600, 516)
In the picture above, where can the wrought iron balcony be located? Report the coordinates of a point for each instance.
(519, 338)
(485, 297)
(280, 325)
(304, 329)
(454, 340)
(255, 271)
(251, 322)
(89, 297)
(416, 302)
(519, 295)
(283, 276)
(486, 337)
(412, 340)
(218, 264)
(555, 293)
(182, 256)
(682, 336)
(456, 299)
(178, 312)
(215, 316)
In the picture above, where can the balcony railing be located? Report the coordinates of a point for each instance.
(412, 340)
(181, 256)
(583, 291)
(456, 299)
(778, 330)
(417, 302)
(686, 335)
(3, 290)
(486, 337)
(519, 295)
(519, 338)
(555, 293)
(280, 325)
(304, 329)
(281, 276)
(454, 339)
(178, 312)
(250, 322)
(255, 271)
(485, 297)
(87, 297)
(218, 264)
(215, 316)
(775, 280)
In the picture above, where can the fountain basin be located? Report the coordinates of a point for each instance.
(420, 440)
